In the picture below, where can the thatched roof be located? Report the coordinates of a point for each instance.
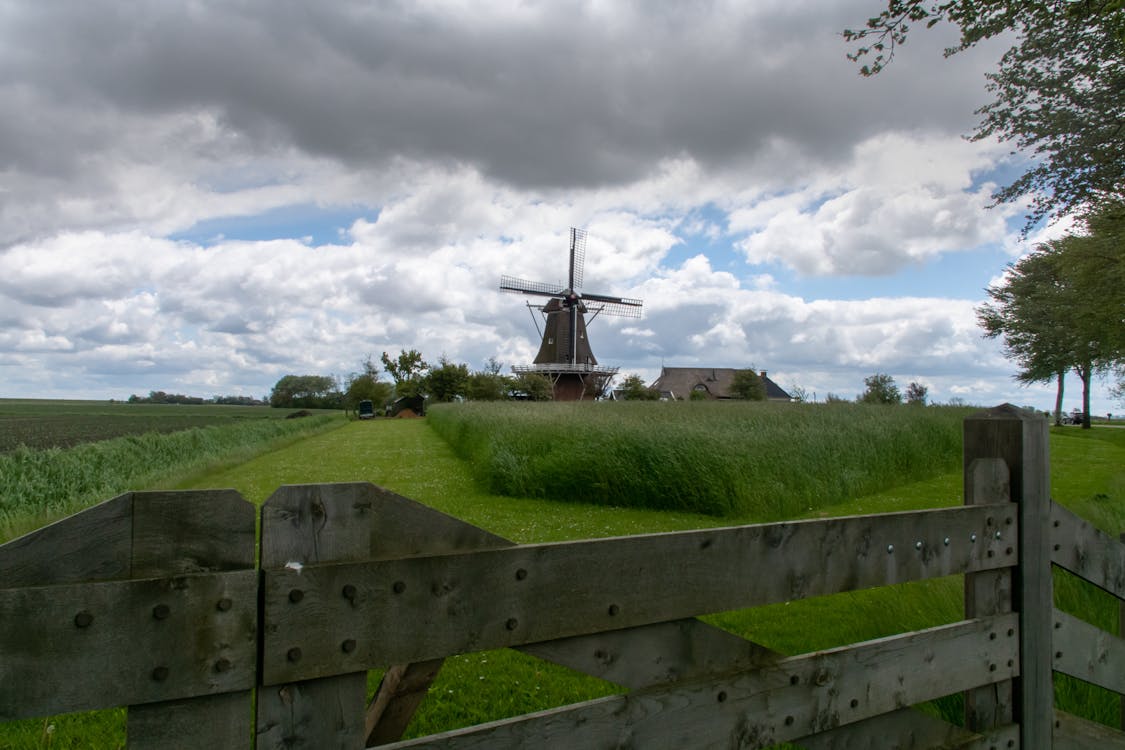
(679, 382)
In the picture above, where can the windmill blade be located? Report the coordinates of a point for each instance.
(577, 256)
(620, 306)
(523, 286)
(612, 300)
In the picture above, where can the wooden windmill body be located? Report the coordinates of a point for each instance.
(565, 356)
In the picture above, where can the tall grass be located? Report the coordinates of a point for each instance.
(37, 485)
(749, 460)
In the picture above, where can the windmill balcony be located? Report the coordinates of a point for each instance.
(556, 367)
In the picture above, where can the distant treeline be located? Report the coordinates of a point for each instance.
(160, 397)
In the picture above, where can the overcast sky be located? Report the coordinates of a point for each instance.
(201, 197)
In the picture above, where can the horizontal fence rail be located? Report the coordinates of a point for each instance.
(161, 602)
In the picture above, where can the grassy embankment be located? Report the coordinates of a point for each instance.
(407, 457)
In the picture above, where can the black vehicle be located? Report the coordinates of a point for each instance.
(366, 410)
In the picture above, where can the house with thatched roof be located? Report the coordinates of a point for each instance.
(678, 383)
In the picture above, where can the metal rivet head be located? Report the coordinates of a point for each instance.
(917, 545)
(293, 654)
(348, 646)
(512, 623)
(296, 595)
(83, 619)
(398, 587)
(160, 674)
(222, 665)
(890, 548)
(521, 574)
(997, 534)
(348, 592)
(972, 537)
(224, 605)
(161, 611)
(613, 610)
(945, 541)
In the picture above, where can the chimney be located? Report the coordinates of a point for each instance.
(763, 375)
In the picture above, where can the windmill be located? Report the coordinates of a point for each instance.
(565, 355)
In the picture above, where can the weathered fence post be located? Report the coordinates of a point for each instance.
(1020, 439)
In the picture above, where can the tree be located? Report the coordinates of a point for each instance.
(1057, 89)
(407, 371)
(916, 394)
(748, 386)
(532, 386)
(366, 387)
(633, 388)
(306, 392)
(488, 384)
(447, 381)
(1059, 307)
(799, 393)
(881, 389)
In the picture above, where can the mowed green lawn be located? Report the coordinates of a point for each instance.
(405, 456)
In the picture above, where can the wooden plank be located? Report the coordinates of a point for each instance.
(1074, 733)
(422, 608)
(188, 532)
(658, 654)
(103, 644)
(795, 698)
(191, 532)
(1086, 551)
(1020, 439)
(909, 729)
(988, 593)
(1089, 653)
(92, 545)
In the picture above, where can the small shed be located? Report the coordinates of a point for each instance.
(415, 405)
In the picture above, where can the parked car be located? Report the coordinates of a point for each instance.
(1075, 417)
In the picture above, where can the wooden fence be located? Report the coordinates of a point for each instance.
(153, 601)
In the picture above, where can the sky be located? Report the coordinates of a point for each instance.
(202, 197)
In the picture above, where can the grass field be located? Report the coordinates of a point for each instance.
(409, 458)
(150, 444)
(36, 423)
